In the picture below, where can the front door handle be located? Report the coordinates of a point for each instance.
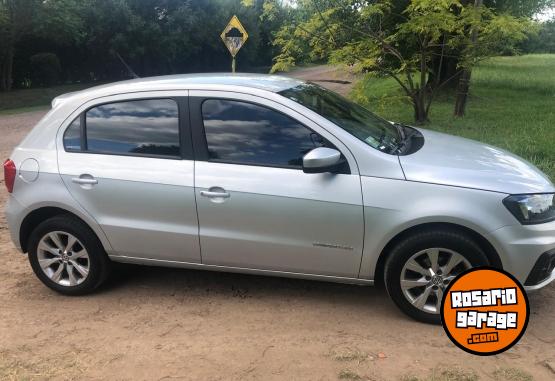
(214, 194)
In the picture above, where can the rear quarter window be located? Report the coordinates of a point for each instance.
(72, 136)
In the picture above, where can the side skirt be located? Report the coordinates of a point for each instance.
(241, 270)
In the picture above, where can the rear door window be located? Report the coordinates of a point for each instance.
(139, 127)
(146, 127)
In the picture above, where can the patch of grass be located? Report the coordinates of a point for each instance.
(22, 110)
(348, 354)
(511, 374)
(511, 105)
(449, 374)
(347, 374)
(21, 100)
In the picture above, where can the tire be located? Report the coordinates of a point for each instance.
(43, 250)
(409, 288)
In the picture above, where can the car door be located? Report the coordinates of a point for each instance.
(257, 209)
(128, 162)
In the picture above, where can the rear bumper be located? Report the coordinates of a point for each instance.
(527, 252)
(14, 216)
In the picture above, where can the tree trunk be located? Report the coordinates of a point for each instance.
(9, 69)
(464, 80)
(462, 93)
(2, 82)
(420, 109)
(447, 71)
(6, 69)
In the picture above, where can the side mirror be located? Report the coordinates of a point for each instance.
(321, 160)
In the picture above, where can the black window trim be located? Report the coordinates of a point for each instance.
(184, 130)
(201, 144)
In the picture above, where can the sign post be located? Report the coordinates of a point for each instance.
(234, 37)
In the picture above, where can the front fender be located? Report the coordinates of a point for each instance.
(393, 206)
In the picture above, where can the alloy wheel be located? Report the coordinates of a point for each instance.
(63, 258)
(427, 274)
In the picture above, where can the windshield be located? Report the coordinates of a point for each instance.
(356, 120)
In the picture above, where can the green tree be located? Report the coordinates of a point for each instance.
(16, 19)
(484, 34)
(53, 19)
(108, 39)
(411, 49)
(519, 8)
(543, 41)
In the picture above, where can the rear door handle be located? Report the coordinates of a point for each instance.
(214, 194)
(84, 180)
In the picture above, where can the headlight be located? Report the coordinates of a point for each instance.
(532, 209)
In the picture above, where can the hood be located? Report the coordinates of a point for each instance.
(450, 160)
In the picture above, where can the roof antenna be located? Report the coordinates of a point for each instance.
(129, 70)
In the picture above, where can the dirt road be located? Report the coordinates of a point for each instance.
(334, 79)
(168, 324)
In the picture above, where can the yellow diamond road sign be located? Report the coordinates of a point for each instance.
(234, 36)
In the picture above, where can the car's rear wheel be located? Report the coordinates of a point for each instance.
(66, 256)
(421, 266)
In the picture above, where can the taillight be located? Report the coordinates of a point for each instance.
(9, 174)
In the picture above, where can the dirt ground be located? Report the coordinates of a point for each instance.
(169, 324)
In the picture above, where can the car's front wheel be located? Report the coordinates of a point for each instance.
(66, 256)
(421, 266)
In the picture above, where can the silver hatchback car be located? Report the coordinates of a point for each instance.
(269, 175)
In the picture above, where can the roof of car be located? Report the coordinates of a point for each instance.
(274, 83)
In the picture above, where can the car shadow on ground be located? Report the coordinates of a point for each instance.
(152, 281)
(146, 281)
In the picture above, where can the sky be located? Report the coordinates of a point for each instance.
(547, 15)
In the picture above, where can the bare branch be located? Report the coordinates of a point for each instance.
(448, 79)
(396, 78)
(440, 67)
(129, 70)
